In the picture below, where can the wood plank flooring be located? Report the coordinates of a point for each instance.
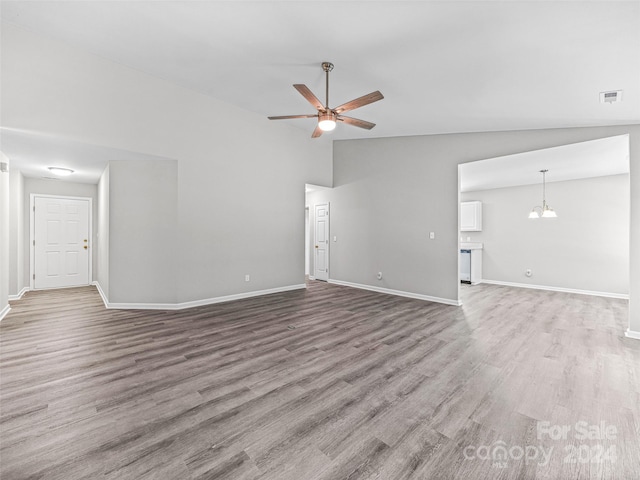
(324, 384)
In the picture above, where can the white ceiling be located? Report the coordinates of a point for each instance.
(33, 154)
(443, 66)
(596, 158)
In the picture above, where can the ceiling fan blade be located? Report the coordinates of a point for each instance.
(359, 102)
(283, 117)
(356, 122)
(311, 98)
(317, 132)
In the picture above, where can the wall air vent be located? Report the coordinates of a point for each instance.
(613, 96)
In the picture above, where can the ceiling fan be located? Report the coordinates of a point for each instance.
(327, 117)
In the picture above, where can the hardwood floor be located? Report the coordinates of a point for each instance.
(323, 384)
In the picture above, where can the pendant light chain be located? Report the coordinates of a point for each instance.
(544, 188)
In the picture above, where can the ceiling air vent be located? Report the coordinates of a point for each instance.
(611, 97)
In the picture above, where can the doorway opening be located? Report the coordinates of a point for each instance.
(587, 184)
(307, 239)
(317, 228)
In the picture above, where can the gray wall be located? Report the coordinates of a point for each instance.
(101, 227)
(62, 188)
(4, 238)
(240, 177)
(243, 213)
(143, 252)
(390, 193)
(16, 227)
(585, 248)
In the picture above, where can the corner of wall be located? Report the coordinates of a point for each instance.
(102, 235)
(4, 236)
(16, 232)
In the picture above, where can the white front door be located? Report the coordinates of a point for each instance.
(321, 258)
(60, 242)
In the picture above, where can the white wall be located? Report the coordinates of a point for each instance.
(16, 228)
(391, 192)
(240, 179)
(586, 248)
(62, 188)
(4, 238)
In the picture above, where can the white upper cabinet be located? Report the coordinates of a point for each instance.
(471, 216)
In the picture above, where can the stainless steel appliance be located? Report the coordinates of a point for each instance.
(465, 266)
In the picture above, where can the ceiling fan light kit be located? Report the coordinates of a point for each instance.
(328, 117)
(326, 122)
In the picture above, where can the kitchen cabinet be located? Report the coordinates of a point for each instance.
(471, 216)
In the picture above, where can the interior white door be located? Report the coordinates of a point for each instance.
(61, 242)
(321, 258)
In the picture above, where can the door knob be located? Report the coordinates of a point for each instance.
(85, 247)
(316, 246)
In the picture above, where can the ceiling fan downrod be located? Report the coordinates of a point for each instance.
(327, 67)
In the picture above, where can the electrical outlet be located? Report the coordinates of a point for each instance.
(432, 235)
(247, 278)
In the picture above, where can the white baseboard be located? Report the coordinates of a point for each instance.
(621, 296)
(194, 303)
(105, 300)
(19, 295)
(4, 311)
(311, 277)
(632, 334)
(399, 293)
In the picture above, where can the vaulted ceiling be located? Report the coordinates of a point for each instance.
(443, 66)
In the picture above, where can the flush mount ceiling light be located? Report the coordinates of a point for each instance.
(545, 210)
(327, 117)
(61, 172)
